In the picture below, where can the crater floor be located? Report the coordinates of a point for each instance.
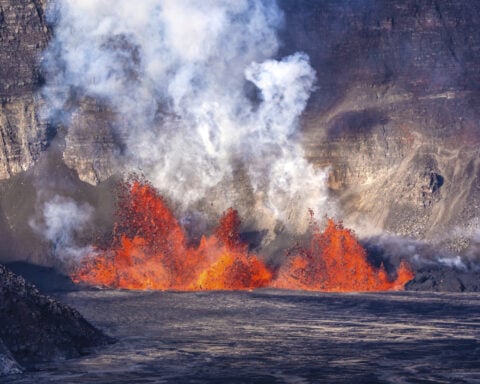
(272, 336)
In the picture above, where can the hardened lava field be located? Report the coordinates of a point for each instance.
(275, 336)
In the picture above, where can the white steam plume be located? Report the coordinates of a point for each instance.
(177, 74)
(62, 220)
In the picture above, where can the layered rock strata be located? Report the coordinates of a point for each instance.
(23, 36)
(394, 116)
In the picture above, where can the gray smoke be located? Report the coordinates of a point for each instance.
(392, 249)
(60, 222)
(197, 93)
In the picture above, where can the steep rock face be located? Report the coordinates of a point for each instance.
(23, 36)
(89, 144)
(91, 147)
(21, 135)
(395, 114)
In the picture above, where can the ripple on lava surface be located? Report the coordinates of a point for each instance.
(275, 336)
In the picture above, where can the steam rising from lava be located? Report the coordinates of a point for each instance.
(62, 219)
(197, 95)
(150, 251)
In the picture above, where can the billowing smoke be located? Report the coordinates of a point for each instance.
(61, 222)
(198, 94)
(391, 249)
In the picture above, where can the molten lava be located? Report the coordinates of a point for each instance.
(336, 262)
(149, 251)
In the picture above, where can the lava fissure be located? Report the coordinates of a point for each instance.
(149, 251)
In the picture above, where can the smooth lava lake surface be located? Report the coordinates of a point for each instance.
(274, 336)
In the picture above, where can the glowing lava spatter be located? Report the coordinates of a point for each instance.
(235, 267)
(336, 262)
(149, 251)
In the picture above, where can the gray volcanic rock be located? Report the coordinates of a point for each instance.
(396, 112)
(444, 280)
(37, 328)
(8, 365)
(91, 145)
(23, 36)
(394, 117)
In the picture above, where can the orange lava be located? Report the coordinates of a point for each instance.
(336, 262)
(149, 251)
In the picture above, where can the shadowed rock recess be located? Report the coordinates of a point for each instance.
(394, 116)
(35, 328)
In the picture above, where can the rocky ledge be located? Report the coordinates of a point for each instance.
(35, 328)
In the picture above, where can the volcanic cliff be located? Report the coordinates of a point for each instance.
(394, 118)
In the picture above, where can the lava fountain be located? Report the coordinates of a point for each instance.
(150, 250)
(336, 262)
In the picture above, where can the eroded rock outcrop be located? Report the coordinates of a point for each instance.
(23, 36)
(91, 144)
(395, 114)
(36, 328)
